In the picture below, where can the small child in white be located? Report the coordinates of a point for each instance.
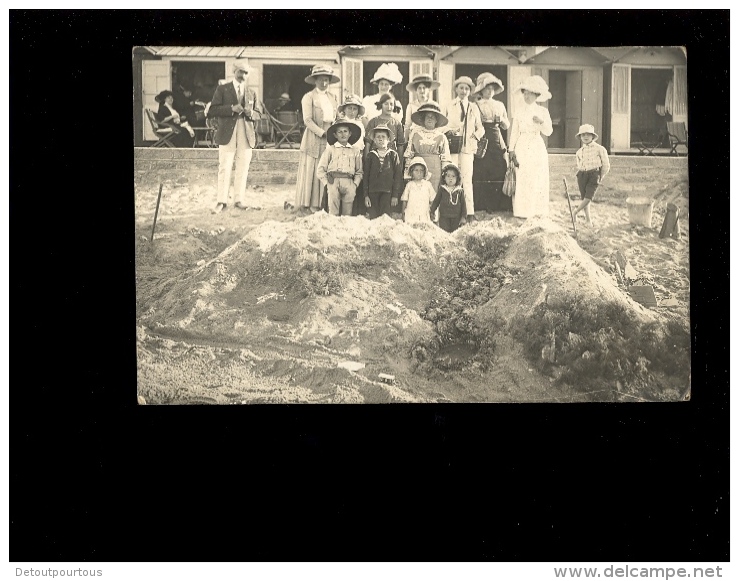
(592, 167)
(418, 194)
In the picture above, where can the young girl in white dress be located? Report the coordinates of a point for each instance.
(418, 194)
(528, 151)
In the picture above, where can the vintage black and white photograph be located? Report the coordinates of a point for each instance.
(411, 224)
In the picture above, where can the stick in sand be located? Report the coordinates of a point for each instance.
(569, 204)
(156, 212)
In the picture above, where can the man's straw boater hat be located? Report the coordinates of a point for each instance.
(587, 128)
(426, 80)
(389, 72)
(431, 107)
(241, 65)
(382, 127)
(486, 79)
(465, 81)
(537, 85)
(319, 70)
(352, 100)
(355, 131)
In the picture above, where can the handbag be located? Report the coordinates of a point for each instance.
(509, 182)
(455, 143)
(482, 147)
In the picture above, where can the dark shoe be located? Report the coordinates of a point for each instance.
(218, 209)
(240, 206)
(471, 218)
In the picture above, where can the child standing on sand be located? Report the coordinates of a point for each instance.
(418, 194)
(592, 167)
(450, 199)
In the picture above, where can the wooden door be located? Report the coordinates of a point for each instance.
(621, 107)
(446, 79)
(573, 108)
(156, 78)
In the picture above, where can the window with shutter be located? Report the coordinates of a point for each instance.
(352, 77)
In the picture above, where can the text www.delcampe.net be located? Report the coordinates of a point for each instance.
(642, 572)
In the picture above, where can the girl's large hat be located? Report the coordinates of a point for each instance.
(382, 127)
(352, 100)
(319, 70)
(587, 128)
(389, 72)
(426, 80)
(417, 161)
(465, 80)
(431, 107)
(536, 84)
(485, 79)
(355, 131)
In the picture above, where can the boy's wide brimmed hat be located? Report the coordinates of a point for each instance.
(536, 84)
(466, 81)
(241, 65)
(426, 80)
(382, 127)
(389, 72)
(430, 107)
(352, 100)
(485, 79)
(587, 128)
(417, 161)
(319, 70)
(355, 132)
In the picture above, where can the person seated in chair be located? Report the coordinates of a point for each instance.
(284, 104)
(189, 109)
(184, 134)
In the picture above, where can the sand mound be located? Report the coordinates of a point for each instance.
(525, 306)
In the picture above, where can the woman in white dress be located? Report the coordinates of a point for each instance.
(527, 149)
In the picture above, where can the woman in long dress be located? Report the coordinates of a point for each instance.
(527, 149)
(319, 112)
(489, 171)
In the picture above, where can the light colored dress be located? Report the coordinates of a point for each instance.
(419, 195)
(319, 112)
(433, 147)
(532, 175)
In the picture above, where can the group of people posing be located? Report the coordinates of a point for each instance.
(372, 163)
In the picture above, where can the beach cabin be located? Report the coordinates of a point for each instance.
(273, 70)
(645, 87)
(359, 64)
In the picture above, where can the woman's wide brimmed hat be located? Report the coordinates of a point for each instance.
(381, 127)
(417, 161)
(466, 81)
(319, 70)
(355, 132)
(431, 107)
(485, 79)
(284, 97)
(389, 72)
(538, 85)
(426, 80)
(163, 95)
(587, 128)
(352, 100)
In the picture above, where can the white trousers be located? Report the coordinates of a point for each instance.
(465, 163)
(238, 151)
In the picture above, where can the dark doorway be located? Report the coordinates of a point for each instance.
(200, 77)
(648, 91)
(288, 79)
(565, 108)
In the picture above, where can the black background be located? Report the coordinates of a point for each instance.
(94, 477)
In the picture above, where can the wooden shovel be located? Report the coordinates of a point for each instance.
(156, 212)
(569, 204)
